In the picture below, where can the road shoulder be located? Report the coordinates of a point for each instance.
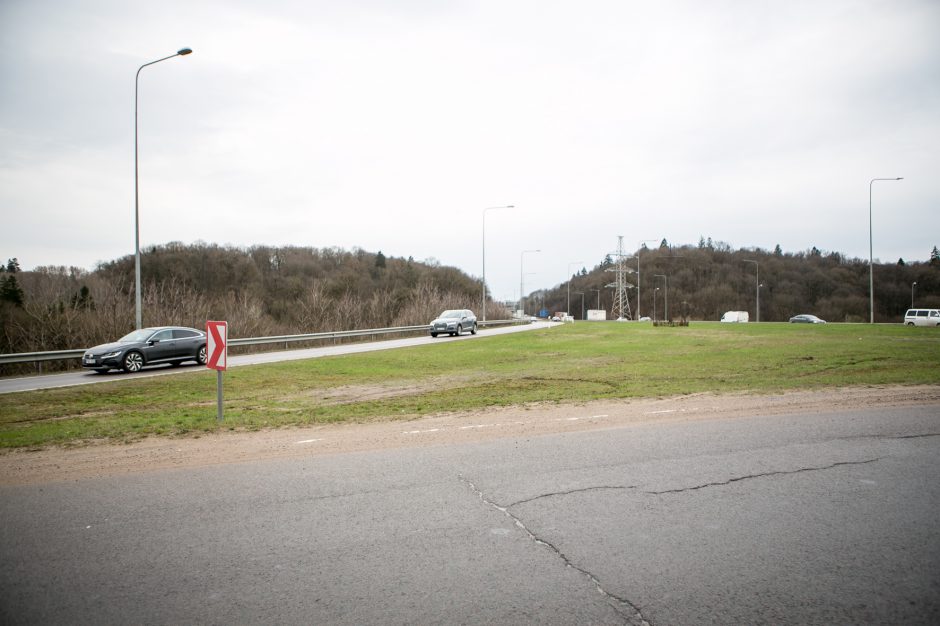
(19, 467)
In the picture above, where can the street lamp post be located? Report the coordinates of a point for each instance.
(654, 303)
(568, 311)
(137, 306)
(665, 295)
(483, 300)
(913, 284)
(522, 279)
(640, 245)
(757, 283)
(871, 256)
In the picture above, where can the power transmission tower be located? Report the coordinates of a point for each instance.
(621, 307)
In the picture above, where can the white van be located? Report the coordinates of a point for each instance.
(922, 317)
(735, 316)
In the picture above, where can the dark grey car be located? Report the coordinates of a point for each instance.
(148, 346)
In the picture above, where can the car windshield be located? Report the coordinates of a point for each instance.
(448, 314)
(136, 336)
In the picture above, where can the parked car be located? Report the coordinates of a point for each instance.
(806, 318)
(148, 346)
(922, 317)
(454, 322)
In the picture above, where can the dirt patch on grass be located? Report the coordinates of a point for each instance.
(153, 454)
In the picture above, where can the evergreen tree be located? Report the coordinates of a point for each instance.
(778, 251)
(10, 290)
(380, 259)
(935, 256)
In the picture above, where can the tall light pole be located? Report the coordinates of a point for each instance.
(640, 245)
(568, 311)
(913, 284)
(522, 279)
(757, 283)
(871, 256)
(582, 302)
(654, 303)
(489, 208)
(666, 294)
(179, 53)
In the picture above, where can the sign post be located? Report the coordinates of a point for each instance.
(217, 354)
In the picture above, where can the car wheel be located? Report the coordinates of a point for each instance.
(202, 356)
(132, 362)
(459, 330)
(910, 323)
(434, 335)
(473, 330)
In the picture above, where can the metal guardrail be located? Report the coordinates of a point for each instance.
(58, 355)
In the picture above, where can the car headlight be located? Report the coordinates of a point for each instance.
(110, 354)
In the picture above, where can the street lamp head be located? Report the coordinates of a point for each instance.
(184, 52)
(899, 178)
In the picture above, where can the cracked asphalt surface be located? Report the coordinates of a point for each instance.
(812, 518)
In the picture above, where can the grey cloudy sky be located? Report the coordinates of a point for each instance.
(391, 125)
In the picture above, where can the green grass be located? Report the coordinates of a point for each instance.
(574, 363)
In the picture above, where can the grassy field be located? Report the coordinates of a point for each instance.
(576, 362)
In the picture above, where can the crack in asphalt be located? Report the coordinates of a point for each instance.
(566, 493)
(762, 475)
(631, 615)
(915, 436)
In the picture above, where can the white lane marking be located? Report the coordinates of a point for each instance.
(575, 419)
(473, 426)
(307, 441)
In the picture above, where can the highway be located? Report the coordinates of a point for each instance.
(791, 519)
(69, 379)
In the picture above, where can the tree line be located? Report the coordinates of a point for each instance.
(705, 280)
(265, 290)
(260, 291)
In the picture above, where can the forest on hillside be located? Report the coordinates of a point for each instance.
(703, 281)
(264, 291)
(260, 291)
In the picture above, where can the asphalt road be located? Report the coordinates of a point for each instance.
(69, 379)
(800, 519)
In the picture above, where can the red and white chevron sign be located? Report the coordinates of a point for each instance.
(217, 347)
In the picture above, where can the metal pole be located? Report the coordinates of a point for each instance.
(219, 389)
(568, 306)
(522, 279)
(913, 284)
(483, 301)
(757, 285)
(665, 294)
(871, 256)
(137, 306)
(638, 250)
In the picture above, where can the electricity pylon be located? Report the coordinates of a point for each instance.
(621, 307)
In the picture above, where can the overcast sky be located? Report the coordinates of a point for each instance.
(391, 126)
